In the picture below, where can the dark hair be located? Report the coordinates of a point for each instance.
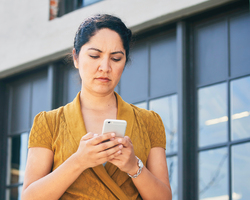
(91, 25)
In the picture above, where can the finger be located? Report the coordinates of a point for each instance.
(88, 136)
(102, 138)
(128, 138)
(126, 142)
(111, 152)
(108, 145)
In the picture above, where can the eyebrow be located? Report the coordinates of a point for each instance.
(101, 51)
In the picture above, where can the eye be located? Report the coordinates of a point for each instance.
(92, 56)
(116, 59)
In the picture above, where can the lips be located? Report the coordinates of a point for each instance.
(103, 79)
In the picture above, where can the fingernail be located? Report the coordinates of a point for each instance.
(120, 140)
(113, 134)
(95, 135)
(120, 146)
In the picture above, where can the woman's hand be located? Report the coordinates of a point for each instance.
(97, 149)
(126, 160)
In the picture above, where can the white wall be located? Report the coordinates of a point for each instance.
(28, 38)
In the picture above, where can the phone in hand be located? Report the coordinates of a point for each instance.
(114, 126)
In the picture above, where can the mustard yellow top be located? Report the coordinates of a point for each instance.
(60, 130)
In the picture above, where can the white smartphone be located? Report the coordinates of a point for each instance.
(115, 126)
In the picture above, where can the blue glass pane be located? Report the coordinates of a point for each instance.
(240, 108)
(213, 174)
(134, 80)
(18, 149)
(141, 105)
(173, 175)
(166, 107)
(212, 113)
(163, 79)
(211, 52)
(72, 84)
(40, 97)
(240, 171)
(89, 2)
(240, 44)
(20, 106)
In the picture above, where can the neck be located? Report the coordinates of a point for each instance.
(92, 101)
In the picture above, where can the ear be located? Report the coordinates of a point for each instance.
(75, 58)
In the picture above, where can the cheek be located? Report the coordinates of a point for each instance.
(119, 72)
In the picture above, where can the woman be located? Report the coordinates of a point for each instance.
(66, 148)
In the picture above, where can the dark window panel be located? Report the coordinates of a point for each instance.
(163, 66)
(18, 149)
(211, 52)
(14, 193)
(240, 45)
(134, 80)
(20, 106)
(72, 84)
(40, 101)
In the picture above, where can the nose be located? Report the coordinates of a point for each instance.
(105, 65)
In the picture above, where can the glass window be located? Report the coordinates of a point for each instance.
(213, 174)
(240, 108)
(163, 65)
(240, 171)
(134, 80)
(173, 175)
(89, 2)
(211, 50)
(14, 193)
(72, 84)
(18, 150)
(20, 106)
(240, 44)
(141, 105)
(166, 107)
(212, 113)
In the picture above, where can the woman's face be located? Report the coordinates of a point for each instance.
(101, 62)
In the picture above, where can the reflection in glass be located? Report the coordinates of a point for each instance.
(240, 108)
(141, 105)
(166, 107)
(14, 193)
(240, 171)
(173, 175)
(213, 174)
(18, 155)
(212, 114)
(89, 2)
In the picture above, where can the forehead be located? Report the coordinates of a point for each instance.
(106, 38)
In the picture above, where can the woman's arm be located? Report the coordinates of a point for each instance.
(153, 182)
(41, 183)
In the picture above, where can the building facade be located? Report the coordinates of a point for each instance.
(190, 62)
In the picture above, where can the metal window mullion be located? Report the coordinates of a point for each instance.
(181, 94)
(148, 75)
(51, 86)
(229, 115)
